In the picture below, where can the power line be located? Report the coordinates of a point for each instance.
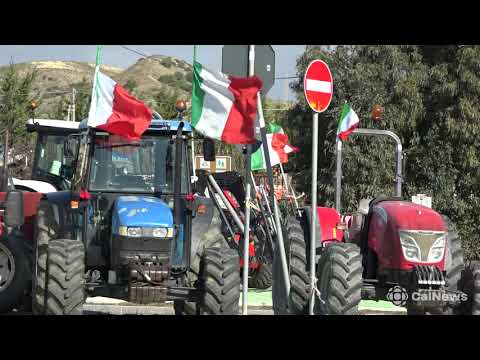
(287, 77)
(135, 51)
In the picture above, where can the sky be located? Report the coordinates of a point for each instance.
(114, 55)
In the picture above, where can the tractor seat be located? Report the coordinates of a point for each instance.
(364, 206)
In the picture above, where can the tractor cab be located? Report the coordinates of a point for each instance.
(51, 169)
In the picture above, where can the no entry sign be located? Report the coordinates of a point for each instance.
(318, 86)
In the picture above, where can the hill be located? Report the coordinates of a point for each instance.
(55, 79)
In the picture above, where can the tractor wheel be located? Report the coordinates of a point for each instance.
(261, 278)
(296, 253)
(475, 295)
(415, 311)
(220, 282)
(455, 268)
(60, 283)
(211, 238)
(14, 271)
(339, 275)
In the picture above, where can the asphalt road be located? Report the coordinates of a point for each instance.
(259, 304)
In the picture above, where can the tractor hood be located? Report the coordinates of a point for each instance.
(408, 215)
(141, 211)
(419, 224)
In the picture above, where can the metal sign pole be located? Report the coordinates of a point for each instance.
(314, 210)
(276, 210)
(246, 236)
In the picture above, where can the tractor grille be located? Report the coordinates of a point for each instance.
(428, 275)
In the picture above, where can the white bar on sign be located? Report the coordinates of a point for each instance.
(319, 86)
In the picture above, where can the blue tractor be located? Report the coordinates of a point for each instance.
(131, 228)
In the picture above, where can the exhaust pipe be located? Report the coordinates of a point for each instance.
(177, 185)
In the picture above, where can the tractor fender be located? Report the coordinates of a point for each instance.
(329, 218)
(206, 226)
(34, 186)
(60, 203)
(30, 206)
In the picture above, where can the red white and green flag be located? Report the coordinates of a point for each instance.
(278, 149)
(114, 110)
(224, 107)
(348, 122)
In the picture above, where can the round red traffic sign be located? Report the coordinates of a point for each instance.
(318, 86)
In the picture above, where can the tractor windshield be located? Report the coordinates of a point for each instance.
(50, 163)
(146, 166)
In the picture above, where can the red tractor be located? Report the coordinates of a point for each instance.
(389, 249)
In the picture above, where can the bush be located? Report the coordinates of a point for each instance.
(167, 62)
(167, 79)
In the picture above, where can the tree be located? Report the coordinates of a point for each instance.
(16, 97)
(430, 99)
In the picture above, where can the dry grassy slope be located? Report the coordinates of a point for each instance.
(62, 75)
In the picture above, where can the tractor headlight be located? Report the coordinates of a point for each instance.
(437, 250)
(410, 249)
(157, 232)
(134, 231)
(423, 245)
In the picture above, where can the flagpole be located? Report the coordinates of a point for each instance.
(276, 211)
(248, 170)
(193, 140)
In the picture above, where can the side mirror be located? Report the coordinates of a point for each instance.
(209, 150)
(14, 209)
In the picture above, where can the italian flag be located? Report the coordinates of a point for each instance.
(348, 122)
(224, 107)
(278, 148)
(114, 110)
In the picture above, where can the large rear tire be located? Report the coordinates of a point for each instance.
(475, 295)
(339, 275)
(220, 282)
(60, 285)
(296, 253)
(456, 274)
(211, 239)
(59, 267)
(14, 271)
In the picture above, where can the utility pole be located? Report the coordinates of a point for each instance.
(69, 111)
(74, 93)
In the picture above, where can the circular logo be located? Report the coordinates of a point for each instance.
(397, 295)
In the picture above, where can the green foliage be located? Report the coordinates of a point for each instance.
(167, 62)
(430, 95)
(59, 109)
(177, 80)
(167, 79)
(16, 96)
(178, 75)
(130, 85)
